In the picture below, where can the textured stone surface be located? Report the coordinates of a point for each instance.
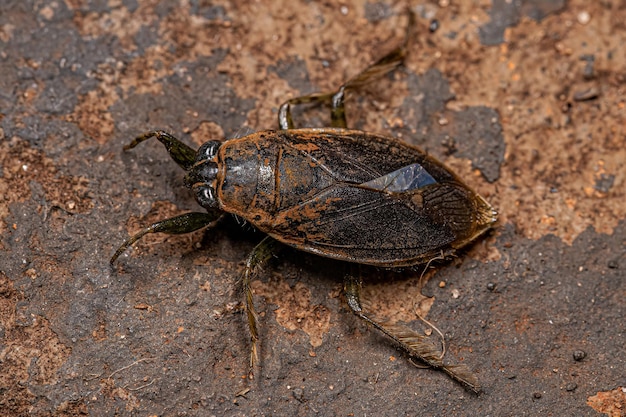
(525, 101)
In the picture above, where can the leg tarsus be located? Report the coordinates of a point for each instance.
(185, 223)
(259, 256)
(415, 344)
(285, 121)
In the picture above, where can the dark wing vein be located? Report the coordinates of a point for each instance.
(355, 163)
(348, 212)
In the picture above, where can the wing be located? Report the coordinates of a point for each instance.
(367, 225)
(312, 160)
(376, 201)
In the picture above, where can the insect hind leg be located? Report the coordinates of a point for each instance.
(417, 346)
(260, 256)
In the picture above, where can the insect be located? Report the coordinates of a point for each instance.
(344, 194)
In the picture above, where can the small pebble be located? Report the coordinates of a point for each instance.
(579, 355)
(583, 17)
(298, 394)
(588, 72)
(433, 25)
(588, 94)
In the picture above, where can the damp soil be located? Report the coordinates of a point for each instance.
(525, 100)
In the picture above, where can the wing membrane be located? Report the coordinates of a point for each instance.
(349, 221)
(407, 178)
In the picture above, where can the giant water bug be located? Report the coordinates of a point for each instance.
(344, 194)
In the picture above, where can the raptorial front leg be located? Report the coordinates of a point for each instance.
(182, 154)
(416, 345)
(260, 255)
(185, 223)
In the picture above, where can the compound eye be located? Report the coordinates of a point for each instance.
(208, 150)
(205, 196)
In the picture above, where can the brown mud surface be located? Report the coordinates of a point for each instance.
(524, 99)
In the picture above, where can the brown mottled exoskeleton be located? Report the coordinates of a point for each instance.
(344, 194)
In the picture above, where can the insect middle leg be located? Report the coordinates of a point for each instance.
(185, 223)
(415, 344)
(335, 99)
(260, 255)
